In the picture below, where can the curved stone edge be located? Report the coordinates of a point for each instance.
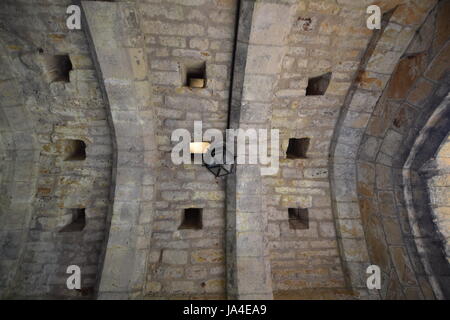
(420, 232)
(21, 151)
(375, 70)
(117, 47)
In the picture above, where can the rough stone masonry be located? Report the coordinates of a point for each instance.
(86, 176)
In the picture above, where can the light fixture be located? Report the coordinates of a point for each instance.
(218, 168)
(198, 147)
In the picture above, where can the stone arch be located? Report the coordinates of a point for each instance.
(377, 127)
(58, 110)
(439, 191)
(125, 86)
(425, 195)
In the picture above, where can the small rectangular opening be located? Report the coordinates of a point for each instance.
(195, 74)
(298, 218)
(78, 221)
(192, 219)
(297, 148)
(74, 150)
(57, 68)
(317, 86)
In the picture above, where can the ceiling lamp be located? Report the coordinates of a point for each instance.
(216, 168)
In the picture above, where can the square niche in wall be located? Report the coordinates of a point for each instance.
(194, 74)
(298, 218)
(317, 86)
(57, 68)
(78, 221)
(192, 219)
(297, 148)
(74, 150)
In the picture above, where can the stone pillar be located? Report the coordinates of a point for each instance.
(117, 45)
(260, 47)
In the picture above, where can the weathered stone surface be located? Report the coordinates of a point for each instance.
(271, 23)
(440, 65)
(442, 25)
(413, 12)
(207, 256)
(264, 59)
(407, 72)
(244, 246)
(422, 90)
(174, 257)
(354, 250)
(351, 228)
(401, 263)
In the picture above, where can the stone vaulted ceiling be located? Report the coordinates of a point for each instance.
(87, 177)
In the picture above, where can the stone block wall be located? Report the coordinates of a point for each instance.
(260, 47)
(126, 93)
(187, 263)
(411, 96)
(319, 42)
(371, 181)
(126, 88)
(60, 111)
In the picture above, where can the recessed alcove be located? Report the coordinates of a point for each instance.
(194, 74)
(317, 86)
(57, 68)
(78, 221)
(192, 219)
(297, 148)
(74, 150)
(298, 218)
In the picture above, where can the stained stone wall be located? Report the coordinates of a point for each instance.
(355, 141)
(187, 263)
(383, 146)
(415, 90)
(126, 88)
(319, 42)
(57, 111)
(373, 190)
